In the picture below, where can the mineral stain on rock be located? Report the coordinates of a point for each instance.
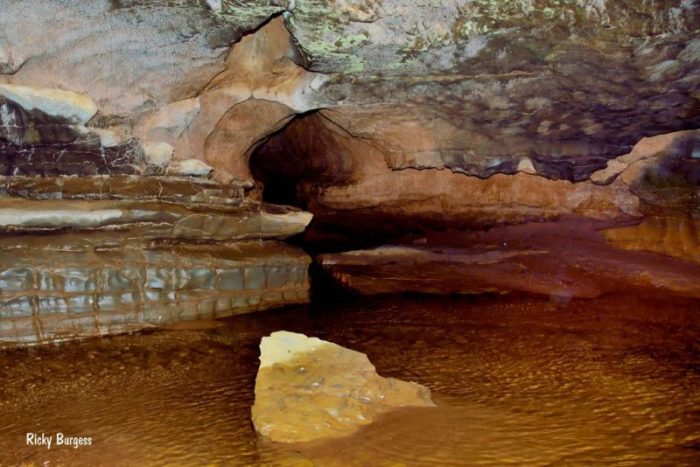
(308, 389)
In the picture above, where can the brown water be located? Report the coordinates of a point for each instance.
(519, 381)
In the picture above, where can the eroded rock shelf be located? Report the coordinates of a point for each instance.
(101, 234)
(68, 291)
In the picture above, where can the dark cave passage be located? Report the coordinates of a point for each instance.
(310, 152)
(276, 165)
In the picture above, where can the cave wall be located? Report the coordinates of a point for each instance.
(146, 125)
(476, 87)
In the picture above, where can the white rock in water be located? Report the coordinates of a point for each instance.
(158, 154)
(309, 389)
(74, 107)
(190, 168)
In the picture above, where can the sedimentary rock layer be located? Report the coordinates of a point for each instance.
(61, 288)
(182, 190)
(116, 235)
(557, 88)
(373, 115)
(154, 219)
(347, 181)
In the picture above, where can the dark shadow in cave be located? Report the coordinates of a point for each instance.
(293, 162)
(312, 152)
(278, 166)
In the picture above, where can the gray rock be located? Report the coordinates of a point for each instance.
(85, 292)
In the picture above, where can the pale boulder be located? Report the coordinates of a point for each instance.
(308, 389)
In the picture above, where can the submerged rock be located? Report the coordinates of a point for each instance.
(309, 389)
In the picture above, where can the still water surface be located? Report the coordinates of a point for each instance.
(518, 381)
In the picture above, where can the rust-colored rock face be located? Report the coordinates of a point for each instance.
(672, 236)
(560, 260)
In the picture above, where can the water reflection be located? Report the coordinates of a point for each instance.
(518, 381)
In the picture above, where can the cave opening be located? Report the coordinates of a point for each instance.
(279, 163)
(293, 162)
(310, 154)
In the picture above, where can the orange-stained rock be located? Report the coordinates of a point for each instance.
(261, 89)
(308, 389)
(558, 259)
(342, 174)
(500, 198)
(673, 236)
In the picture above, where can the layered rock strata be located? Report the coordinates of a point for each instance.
(553, 87)
(379, 117)
(342, 179)
(308, 389)
(101, 234)
(65, 287)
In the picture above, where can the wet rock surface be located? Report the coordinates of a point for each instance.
(673, 236)
(308, 389)
(88, 250)
(112, 289)
(132, 264)
(103, 234)
(129, 198)
(559, 259)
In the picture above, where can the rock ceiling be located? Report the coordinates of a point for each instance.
(474, 86)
